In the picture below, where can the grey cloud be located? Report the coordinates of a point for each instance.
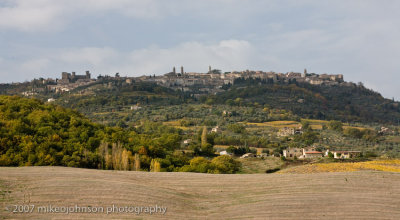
(356, 38)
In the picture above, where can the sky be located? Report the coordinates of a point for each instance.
(357, 38)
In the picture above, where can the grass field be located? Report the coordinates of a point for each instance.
(393, 139)
(315, 124)
(177, 124)
(340, 195)
(359, 128)
(276, 124)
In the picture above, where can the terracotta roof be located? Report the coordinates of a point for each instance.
(313, 152)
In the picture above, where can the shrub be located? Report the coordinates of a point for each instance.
(237, 128)
(200, 165)
(220, 164)
(225, 164)
(306, 125)
(353, 132)
(335, 125)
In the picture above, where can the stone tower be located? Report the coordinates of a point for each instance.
(182, 70)
(173, 70)
(304, 74)
(65, 75)
(87, 74)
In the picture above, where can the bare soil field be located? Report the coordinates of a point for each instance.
(337, 195)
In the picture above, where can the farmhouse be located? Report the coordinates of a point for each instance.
(312, 154)
(345, 154)
(291, 153)
(215, 129)
(135, 107)
(248, 155)
(302, 153)
(187, 141)
(286, 131)
(385, 131)
(225, 153)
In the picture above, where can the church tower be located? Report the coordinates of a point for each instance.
(304, 74)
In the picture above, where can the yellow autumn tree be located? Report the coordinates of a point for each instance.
(137, 162)
(125, 159)
(106, 157)
(117, 156)
(155, 166)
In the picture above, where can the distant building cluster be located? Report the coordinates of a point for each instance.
(199, 83)
(311, 152)
(214, 80)
(70, 81)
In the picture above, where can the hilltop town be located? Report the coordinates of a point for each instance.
(209, 82)
(307, 94)
(214, 79)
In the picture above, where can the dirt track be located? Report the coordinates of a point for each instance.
(354, 195)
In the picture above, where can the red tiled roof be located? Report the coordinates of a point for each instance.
(313, 152)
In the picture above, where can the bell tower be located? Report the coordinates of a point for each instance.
(304, 74)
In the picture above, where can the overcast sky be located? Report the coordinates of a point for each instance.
(357, 38)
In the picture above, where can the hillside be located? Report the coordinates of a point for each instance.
(347, 103)
(198, 196)
(114, 95)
